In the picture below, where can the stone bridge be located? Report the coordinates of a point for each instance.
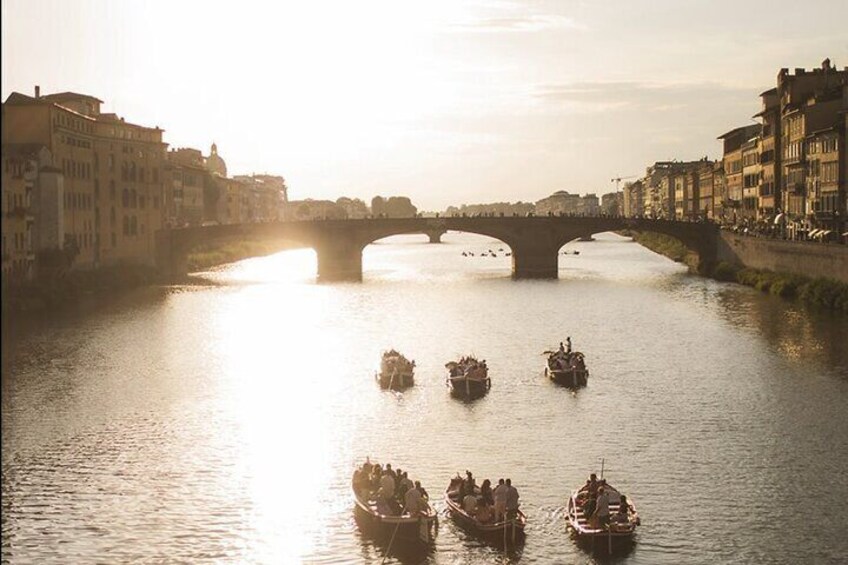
(535, 241)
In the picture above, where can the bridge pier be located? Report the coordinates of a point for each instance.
(171, 260)
(338, 262)
(535, 263)
(436, 235)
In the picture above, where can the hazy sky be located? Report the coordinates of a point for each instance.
(444, 101)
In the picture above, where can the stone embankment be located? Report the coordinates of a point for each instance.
(813, 273)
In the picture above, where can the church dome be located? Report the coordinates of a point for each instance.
(214, 163)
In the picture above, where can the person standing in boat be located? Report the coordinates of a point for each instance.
(387, 486)
(486, 492)
(568, 346)
(499, 494)
(511, 499)
(412, 502)
(602, 513)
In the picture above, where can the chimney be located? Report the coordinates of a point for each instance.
(37, 91)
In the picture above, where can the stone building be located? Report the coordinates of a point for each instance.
(770, 157)
(633, 199)
(810, 102)
(733, 142)
(612, 203)
(560, 202)
(112, 173)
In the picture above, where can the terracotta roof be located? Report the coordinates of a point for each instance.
(740, 129)
(60, 96)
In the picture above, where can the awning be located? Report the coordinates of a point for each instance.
(813, 233)
(826, 233)
(779, 218)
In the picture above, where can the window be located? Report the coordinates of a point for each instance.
(112, 189)
(141, 202)
(114, 240)
(112, 217)
(133, 225)
(133, 198)
(126, 225)
(125, 198)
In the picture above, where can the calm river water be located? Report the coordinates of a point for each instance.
(220, 423)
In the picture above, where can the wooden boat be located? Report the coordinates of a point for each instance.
(468, 378)
(409, 527)
(396, 371)
(508, 530)
(567, 369)
(621, 527)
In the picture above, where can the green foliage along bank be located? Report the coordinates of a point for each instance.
(666, 245)
(821, 292)
(212, 256)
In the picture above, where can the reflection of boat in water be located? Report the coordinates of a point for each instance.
(567, 368)
(468, 378)
(396, 371)
(509, 529)
(388, 518)
(622, 522)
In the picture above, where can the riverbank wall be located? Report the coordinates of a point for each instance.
(806, 259)
(65, 289)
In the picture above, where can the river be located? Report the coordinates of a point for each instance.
(221, 422)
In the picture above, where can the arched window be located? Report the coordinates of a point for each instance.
(126, 225)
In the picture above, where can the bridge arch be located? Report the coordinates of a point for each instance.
(534, 241)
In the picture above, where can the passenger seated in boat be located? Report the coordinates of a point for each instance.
(486, 492)
(469, 504)
(622, 516)
(424, 496)
(561, 348)
(484, 513)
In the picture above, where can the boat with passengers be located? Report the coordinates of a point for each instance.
(567, 367)
(390, 505)
(480, 516)
(589, 523)
(468, 377)
(396, 371)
